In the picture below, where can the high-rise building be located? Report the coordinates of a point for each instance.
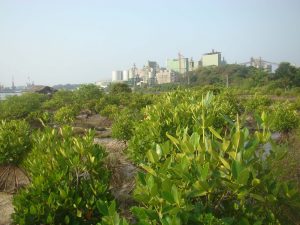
(211, 59)
(180, 65)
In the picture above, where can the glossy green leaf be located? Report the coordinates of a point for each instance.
(224, 162)
(173, 139)
(215, 133)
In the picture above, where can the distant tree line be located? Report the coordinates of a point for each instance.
(285, 76)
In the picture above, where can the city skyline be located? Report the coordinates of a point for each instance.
(63, 42)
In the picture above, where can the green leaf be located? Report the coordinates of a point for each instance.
(79, 213)
(204, 171)
(141, 177)
(243, 177)
(257, 197)
(167, 196)
(236, 169)
(225, 145)
(149, 169)
(224, 162)
(152, 156)
(215, 133)
(158, 150)
(236, 139)
(174, 192)
(244, 221)
(243, 194)
(173, 139)
(112, 208)
(67, 219)
(195, 139)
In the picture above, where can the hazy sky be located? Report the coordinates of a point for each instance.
(61, 41)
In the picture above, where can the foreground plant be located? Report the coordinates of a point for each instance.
(14, 141)
(68, 179)
(211, 176)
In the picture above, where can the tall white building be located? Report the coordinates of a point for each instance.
(125, 75)
(117, 76)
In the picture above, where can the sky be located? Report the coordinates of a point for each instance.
(71, 41)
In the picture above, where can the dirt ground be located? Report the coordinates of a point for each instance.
(123, 174)
(101, 125)
(6, 208)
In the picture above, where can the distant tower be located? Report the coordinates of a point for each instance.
(13, 87)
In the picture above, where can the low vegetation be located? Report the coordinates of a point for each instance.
(205, 154)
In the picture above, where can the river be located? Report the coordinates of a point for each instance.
(4, 95)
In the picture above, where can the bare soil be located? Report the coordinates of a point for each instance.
(6, 208)
(11, 179)
(101, 125)
(123, 171)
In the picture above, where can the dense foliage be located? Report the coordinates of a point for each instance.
(15, 141)
(68, 180)
(119, 88)
(197, 170)
(285, 76)
(19, 107)
(65, 115)
(285, 117)
(176, 110)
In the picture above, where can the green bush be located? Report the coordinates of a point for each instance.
(65, 115)
(285, 117)
(14, 141)
(119, 88)
(225, 104)
(68, 180)
(86, 96)
(109, 111)
(19, 107)
(122, 127)
(209, 178)
(176, 110)
(39, 117)
(257, 104)
(59, 99)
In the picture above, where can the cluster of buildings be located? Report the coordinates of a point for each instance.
(152, 73)
(259, 63)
